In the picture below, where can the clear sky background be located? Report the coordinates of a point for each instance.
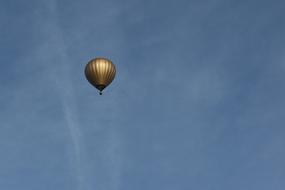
(197, 104)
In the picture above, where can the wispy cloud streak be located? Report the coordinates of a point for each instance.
(60, 75)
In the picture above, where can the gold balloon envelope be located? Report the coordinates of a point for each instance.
(100, 72)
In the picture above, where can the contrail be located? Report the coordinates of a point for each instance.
(61, 77)
(70, 116)
(66, 93)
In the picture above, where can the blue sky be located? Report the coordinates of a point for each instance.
(197, 103)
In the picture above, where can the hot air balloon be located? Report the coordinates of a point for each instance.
(100, 72)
